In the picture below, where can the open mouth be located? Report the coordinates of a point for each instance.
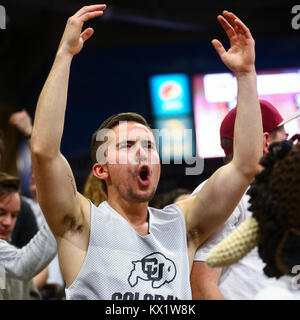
(144, 175)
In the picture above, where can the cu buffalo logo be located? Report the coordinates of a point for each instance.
(155, 267)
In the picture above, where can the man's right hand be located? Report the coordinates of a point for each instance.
(73, 38)
(240, 57)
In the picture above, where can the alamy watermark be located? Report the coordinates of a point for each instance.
(296, 19)
(120, 146)
(2, 17)
(296, 279)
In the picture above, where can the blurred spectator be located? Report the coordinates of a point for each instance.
(10, 204)
(229, 283)
(273, 227)
(26, 225)
(54, 284)
(27, 262)
(22, 122)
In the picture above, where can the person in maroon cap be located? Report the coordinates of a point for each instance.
(273, 127)
(244, 279)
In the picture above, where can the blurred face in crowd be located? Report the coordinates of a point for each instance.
(276, 135)
(10, 204)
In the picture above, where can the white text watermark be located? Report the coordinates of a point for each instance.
(124, 146)
(296, 19)
(296, 279)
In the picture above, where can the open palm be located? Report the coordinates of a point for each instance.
(240, 56)
(73, 37)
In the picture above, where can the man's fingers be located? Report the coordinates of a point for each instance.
(218, 46)
(243, 28)
(230, 17)
(90, 15)
(226, 26)
(86, 34)
(236, 22)
(85, 9)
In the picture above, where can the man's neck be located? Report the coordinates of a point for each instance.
(136, 213)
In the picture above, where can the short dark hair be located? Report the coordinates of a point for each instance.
(8, 183)
(110, 123)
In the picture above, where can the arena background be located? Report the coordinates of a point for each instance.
(132, 41)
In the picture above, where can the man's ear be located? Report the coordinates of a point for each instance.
(100, 171)
(287, 252)
(266, 142)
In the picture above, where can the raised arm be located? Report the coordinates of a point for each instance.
(215, 202)
(56, 189)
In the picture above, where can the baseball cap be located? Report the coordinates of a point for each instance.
(271, 119)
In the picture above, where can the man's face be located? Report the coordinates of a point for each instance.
(10, 204)
(276, 135)
(133, 162)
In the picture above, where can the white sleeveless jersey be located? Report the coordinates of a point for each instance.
(123, 265)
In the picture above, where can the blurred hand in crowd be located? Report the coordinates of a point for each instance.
(22, 121)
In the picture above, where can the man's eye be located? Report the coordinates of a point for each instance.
(150, 146)
(125, 146)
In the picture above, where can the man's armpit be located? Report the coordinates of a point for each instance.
(71, 223)
(195, 236)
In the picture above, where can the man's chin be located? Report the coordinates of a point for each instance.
(143, 197)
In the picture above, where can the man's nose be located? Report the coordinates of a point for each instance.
(7, 221)
(141, 153)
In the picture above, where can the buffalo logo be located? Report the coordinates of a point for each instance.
(154, 267)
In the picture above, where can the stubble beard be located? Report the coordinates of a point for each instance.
(135, 197)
